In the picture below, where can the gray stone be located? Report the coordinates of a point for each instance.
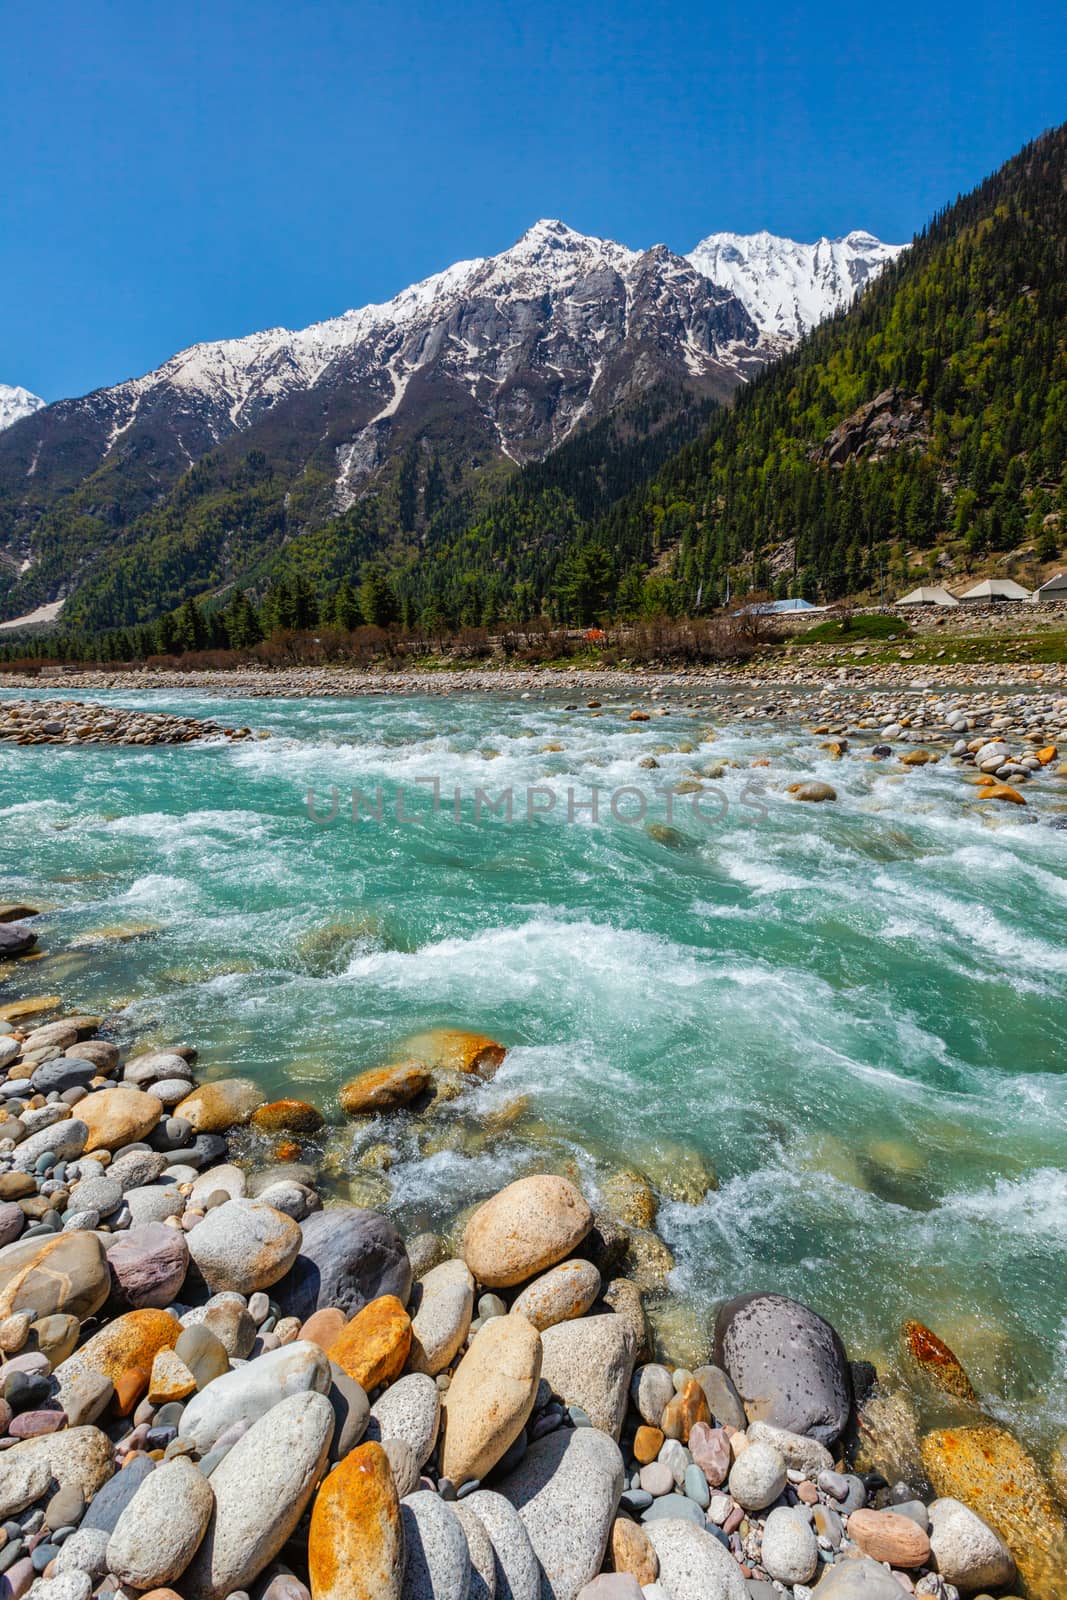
(789, 1552)
(297, 1200)
(23, 1479)
(244, 1245)
(65, 1072)
(802, 1454)
(443, 1302)
(230, 1179)
(68, 1586)
(348, 1257)
(147, 1069)
(657, 1478)
(673, 1508)
(66, 1140)
(261, 1491)
(229, 1321)
(409, 1409)
(589, 1363)
(857, 1580)
(724, 1402)
(136, 1168)
(154, 1202)
(250, 1392)
(12, 1222)
(351, 1411)
(436, 1559)
(82, 1457)
(108, 1504)
(158, 1533)
(757, 1477)
(402, 1465)
(651, 1390)
(516, 1569)
(693, 1565)
(612, 1586)
(696, 1486)
(965, 1550)
(566, 1490)
(84, 1551)
(787, 1363)
(482, 1584)
(84, 1394)
(204, 1353)
(148, 1264)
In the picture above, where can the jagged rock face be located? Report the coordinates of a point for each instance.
(527, 345)
(887, 422)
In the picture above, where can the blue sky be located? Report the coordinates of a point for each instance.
(187, 171)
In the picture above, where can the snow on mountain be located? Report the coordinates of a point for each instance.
(16, 403)
(788, 288)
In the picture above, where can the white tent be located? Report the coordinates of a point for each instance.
(1054, 589)
(997, 589)
(928, 595)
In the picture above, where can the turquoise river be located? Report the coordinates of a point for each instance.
(854, 1013)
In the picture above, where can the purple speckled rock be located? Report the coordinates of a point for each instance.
(788, 1364)
(148, 1264)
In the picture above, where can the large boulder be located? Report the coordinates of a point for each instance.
(216, 1107)
(65, 1272)
(262, 1487)
(356, 1543)
(250, 1391)
(491, 1397)
(787, 1363)
(347, 1258)
(566, 1490)
(243, 1246)
(527, 1227)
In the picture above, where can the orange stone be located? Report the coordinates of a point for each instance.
(356, 1541)
(885, 1536)
(1046, 754)
(631, 1551)
(323, 1327)
(125, 1350)
(288, 1116)
(682, 1413)
(989, 1471)
(384, 1088)
(287, 1150)
(1001, 791)
(934, 1358)
(638, 716)
(374, 1346)
(647, 1444)
(917, 758)
(455, 1050)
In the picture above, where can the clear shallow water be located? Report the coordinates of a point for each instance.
(854, 1013)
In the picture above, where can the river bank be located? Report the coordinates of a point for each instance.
(213, 1385)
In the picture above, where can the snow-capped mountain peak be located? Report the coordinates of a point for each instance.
(16, 403)
(787, 287)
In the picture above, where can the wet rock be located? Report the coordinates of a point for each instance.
(937, 1362)
(384, 1088)
(216, 1107)
(524, 1229)
(787, 1364)
(292, 1116)
(966, 1551)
